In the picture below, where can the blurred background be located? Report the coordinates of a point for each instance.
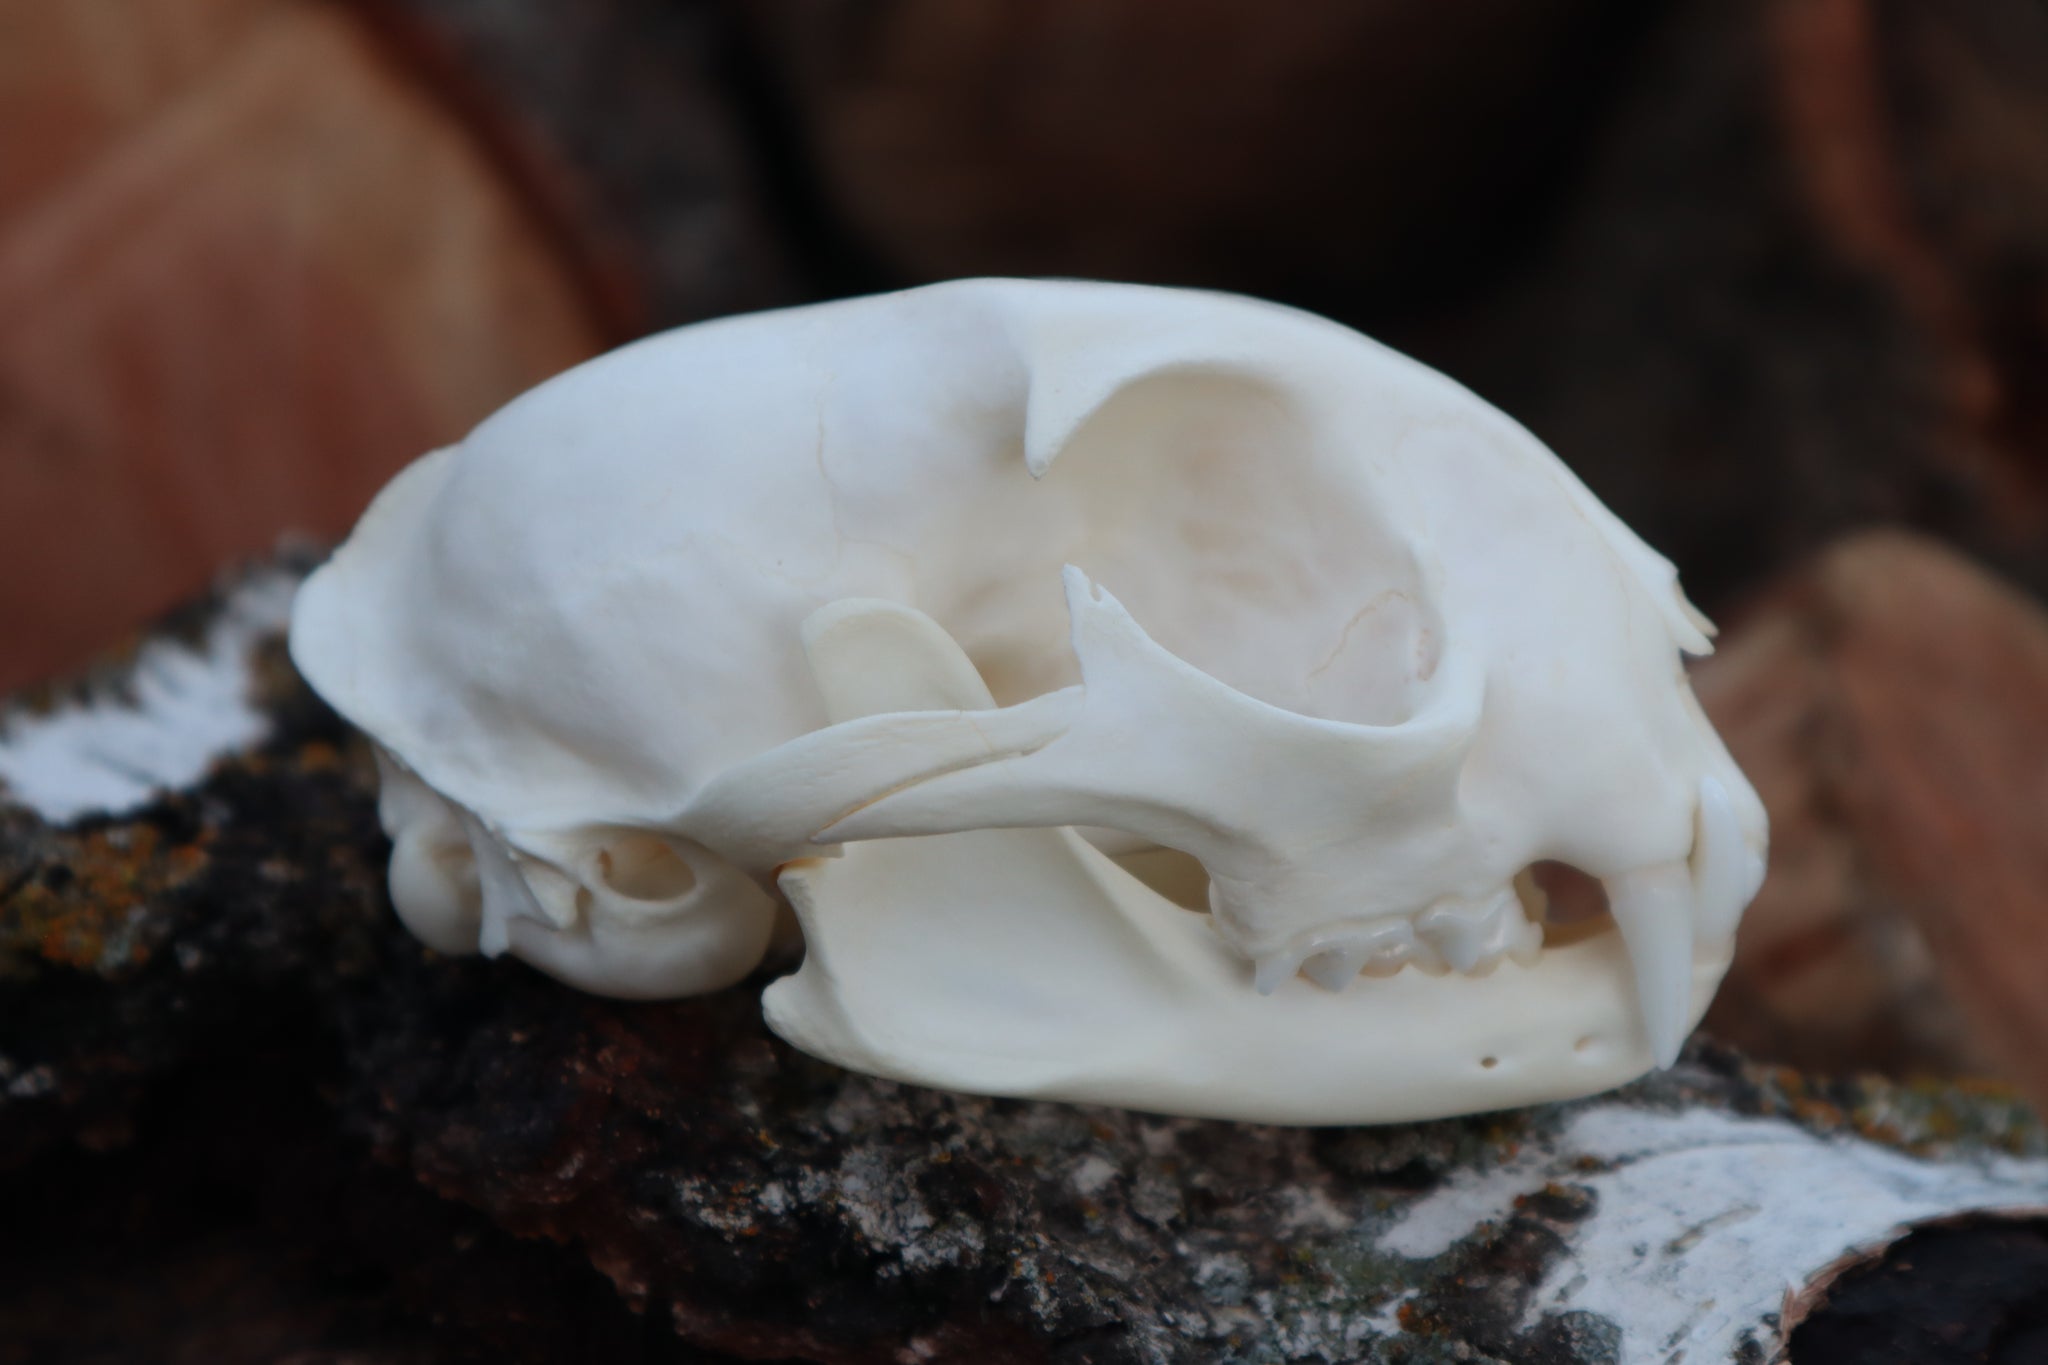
(1772, 275)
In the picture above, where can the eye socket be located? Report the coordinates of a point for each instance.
(643, 867)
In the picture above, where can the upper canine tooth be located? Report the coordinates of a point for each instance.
(1652, 907)
(1726, 871)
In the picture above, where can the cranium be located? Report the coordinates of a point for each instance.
(966, 620)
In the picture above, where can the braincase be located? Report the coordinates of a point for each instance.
(600, 592)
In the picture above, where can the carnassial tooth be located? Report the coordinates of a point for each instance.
(1652, 906)
(1726, 871)
(1383, 966)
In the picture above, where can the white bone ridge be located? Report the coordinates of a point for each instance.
(934, 614)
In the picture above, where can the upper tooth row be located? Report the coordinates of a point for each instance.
(1451, 935)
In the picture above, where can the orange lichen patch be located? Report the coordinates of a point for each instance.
(93, 912)
(1551, 1190)
(248, 248)
(1819, 1113)
(319, 756)
(1928, 1117)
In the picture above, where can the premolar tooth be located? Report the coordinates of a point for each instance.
(1331, 958)
(1275, 968)
(1526, 945)
(1381, 948)
(1652, 907)
(1726, 871)
(1448, 927)
(1334, 968)
(1383, 966)
(1472, 935)
(1425, 958)
(1469, 936)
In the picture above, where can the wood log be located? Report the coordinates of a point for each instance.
(1891, 704)
(248, 268)
(1764, 271)
(1797, 286)
(1321, 152)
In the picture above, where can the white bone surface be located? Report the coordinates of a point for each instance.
(933, 613)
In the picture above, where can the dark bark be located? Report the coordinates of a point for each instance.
(223, 1065)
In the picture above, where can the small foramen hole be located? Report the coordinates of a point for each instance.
(1584, 1044)
(1489, 1062)
(642, 867)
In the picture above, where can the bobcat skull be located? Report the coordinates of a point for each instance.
(1141, 696)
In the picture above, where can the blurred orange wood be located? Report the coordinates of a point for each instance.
(1891, 704)
(248, 268)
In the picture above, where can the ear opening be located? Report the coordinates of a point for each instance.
(643, 866)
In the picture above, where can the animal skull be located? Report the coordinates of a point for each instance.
(815, 607)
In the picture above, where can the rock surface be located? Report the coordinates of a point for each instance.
(232, 1088)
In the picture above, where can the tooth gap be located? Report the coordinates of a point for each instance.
(644, 867)
(1569, 904)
